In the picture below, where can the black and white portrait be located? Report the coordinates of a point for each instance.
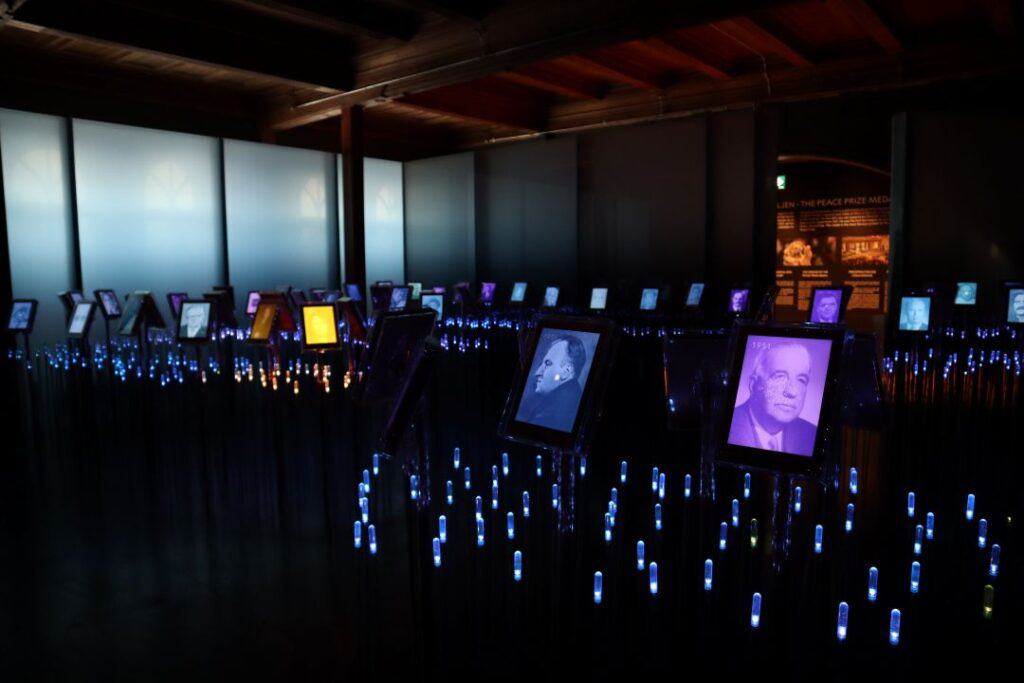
(558, 378)
(195, 320)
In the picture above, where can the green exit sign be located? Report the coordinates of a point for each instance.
(780, 182)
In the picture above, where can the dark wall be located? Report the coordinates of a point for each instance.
(643, 203)
(731, 200)
(526, 213)
(962, 204)
(440, 228)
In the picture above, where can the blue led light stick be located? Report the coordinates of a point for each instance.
(709, 568)
(842, 621)
(872, 584)
(755, 611)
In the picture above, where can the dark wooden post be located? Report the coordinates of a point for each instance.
(352, 187)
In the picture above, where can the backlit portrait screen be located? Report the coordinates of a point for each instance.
(598, 298)
(21, 316)
(108, 300)
(738, 299)
(434, 302)
(487, 292)
(263, 323)
(695, 293)
(194, 322)
(779, 394)
(559, 372)
(352, 290)
(649, 299)
(399, 299)
(80, 318)
(914, 313)
(966, 294)
(319, 326)
(130, 317)
(551, 297)
(1015, 310)
(416, 288)
(826, 306)
(252, 302)
(518, 293)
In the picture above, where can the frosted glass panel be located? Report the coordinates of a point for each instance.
(149, 209)
(37, 195)
(385, 220)
(282, 216)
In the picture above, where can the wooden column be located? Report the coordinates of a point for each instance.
(352, 190)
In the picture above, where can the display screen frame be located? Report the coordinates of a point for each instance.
(250, 305)
(33, 305)
(392, 331)
(1012, 290)
(603, 299)
(589, 407)
(439, 298)
(644, 298)
(547, 295)
(487, 292)
(102, 301)
(275, 312)
(90, 308)
(827, 430)
(319, 346)
(956, 295)
(746, 301)
(397, 290)
(700, 294)
(180, 318)
(518, 288)
(899, 313)
(845, 292)
(174, 302)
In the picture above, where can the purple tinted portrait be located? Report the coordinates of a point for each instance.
(738, 300)
(779, 394)
(826, 305)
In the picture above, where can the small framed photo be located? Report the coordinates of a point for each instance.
(694, 295)
(380, 296)
(110, 306)
(598, 298)
(435, 302)
(416, 289)
(649, 299)
(399, 300)
(319, 326)
(81, 319)
(252, 300)
(487, 290)
(828, 305)
(518, 295)
(966, 294)
(556, 394)
(174, 300)
(195, 321)
(550, 297)
(68, 299)
(23, 315)
(1015, 303)
(915, 313)
(739, 301)
(783, 397)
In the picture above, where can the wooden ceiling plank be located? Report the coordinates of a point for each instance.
(605, 68)
(751, 34)
(467, 104)
(359, 18)
(667, 49)
(559, 86)
(865, 16)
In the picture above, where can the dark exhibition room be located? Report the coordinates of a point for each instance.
(524, 340)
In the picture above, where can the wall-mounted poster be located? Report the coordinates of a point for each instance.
(832, 231)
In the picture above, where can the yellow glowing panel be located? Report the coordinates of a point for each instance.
(319, 326)
(263, 324)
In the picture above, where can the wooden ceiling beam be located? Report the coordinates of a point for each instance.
(515, 35)
(210, 37)
(346, 18)
(457, 10)
(604, 68)
(666, 48)
(542, 79)
(756, 38)
(865, 16)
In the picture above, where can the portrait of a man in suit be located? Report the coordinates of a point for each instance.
(1016, 310)
(195, 318)
(826, 306)
(770, 418)
(553, 391)
(914, 313)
